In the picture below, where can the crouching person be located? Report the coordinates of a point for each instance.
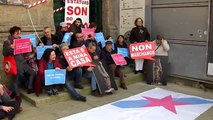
(106, 55)
(8, 108)
(70, 74)
(101, 71)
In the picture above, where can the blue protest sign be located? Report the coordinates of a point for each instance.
(67, 38)
(53, 76)
(40, 51)
(32, 38)
(123, 51)
(99, 37)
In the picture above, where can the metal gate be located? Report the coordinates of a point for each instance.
(184, 23)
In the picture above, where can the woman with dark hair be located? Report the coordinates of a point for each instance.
(139, 34)
(48, 61)
(22, 67)
(120, 43)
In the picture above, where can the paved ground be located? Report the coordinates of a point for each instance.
(62, 109)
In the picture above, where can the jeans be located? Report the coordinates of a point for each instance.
(70, 75)
(91, 75)
(77, 76)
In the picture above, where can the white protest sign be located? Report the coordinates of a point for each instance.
(77, 9)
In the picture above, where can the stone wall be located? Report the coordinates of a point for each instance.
(109, 18)
(42, 15)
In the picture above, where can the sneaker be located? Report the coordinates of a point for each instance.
(79, 86)
(55, 91)
(82, 98)
(109, 90)
(159, 83)
(123, 85)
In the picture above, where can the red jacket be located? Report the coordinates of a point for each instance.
(40, 75)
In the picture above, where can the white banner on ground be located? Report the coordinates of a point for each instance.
(77, 9)
(155, 104)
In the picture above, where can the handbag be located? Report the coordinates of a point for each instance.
(9, 65)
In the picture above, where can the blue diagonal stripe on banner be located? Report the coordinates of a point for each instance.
(131, 104)
(192, 100)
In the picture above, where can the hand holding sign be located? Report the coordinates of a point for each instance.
(119, 59)
(53, 77)
(145, 50)
(67, 38)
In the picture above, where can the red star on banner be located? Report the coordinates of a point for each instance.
(166, 102)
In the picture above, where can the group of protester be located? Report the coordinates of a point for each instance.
(30, 71)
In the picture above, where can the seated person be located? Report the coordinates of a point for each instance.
(72, 73)
(78, 42)
(48, 61)
(106, 55)
(49, 39)
(8, 108)
(120, 43)
(60, 32)
(91, 49)
(90, 39)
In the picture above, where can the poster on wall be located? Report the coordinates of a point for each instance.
(129, 11)
(77, 9)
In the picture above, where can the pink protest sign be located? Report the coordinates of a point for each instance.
(22, 46)
(145, 50)
(119, 59)
(77, 57)
(88, 31)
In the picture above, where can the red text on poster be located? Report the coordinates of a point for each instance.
(77, 57)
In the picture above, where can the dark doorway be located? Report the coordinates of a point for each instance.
(58, 16)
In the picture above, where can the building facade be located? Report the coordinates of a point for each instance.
(186, 24)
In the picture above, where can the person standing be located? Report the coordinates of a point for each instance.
(139, 34)
(23, 68)
(161, 61)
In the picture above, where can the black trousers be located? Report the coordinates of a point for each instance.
(10, 115)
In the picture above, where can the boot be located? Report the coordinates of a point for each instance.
(123, 85)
